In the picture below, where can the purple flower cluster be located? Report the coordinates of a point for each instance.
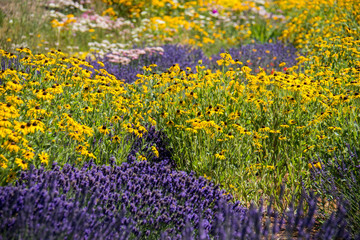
(132, 200)
(269, 224)
(339, 180)
(265, 55)
(268, 56)
(185, 56)
(45, 205)
(152, 138)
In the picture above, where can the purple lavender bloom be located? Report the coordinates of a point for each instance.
(339, 180)
(44, 206)
(268, 56)
(265, 55)
(13, 63)
(185, 56)
(144, 198)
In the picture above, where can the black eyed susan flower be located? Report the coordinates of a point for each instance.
(3, 161)
(115, 119)
(116, 139)
(28, 155)
(80, 148)
(5, 123)
(103, 129)
(221, 155)
(155, 151)
(44, 158)
(308, 148)
(314, 164)
(282, 138)
(11, 146)
(21, 128)
(21, 163)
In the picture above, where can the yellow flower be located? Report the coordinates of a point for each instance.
(116, 139)
(103, 129)
(155, 151)
(91, 155)
(44, 95)
(101, 64)
(147, 68)
(332, 149)
(264, 129)
(282, 138)
(11, 146)
(316, 165)
(27, 154)
(35, 125)
(21, 163)
(81, 149)
(44, 158)
(152, 121)
(5, 123)
(321, 137)
(87, 109)
(334, 128)
(142, 158)
(207, 177)
(3, 161)
(270, 167)
(21, 127)
(220, 155)
(308, 148)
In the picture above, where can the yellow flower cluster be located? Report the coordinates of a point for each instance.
(33, 131)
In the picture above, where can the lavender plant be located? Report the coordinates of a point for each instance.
(268, 56)
(138, 198)
(185, 56)
(143, 200)
(152, 138)
(338, 179)
(38, 208)
(258, 223)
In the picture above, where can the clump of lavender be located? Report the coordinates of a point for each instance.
(140, 199)
(13, 63)
(338, 179)
(45, 205)
(185, 56)
(268, 56)
(265, 55)
(260, 224)
(152, 138)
